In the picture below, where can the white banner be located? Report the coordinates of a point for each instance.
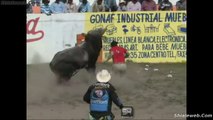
(46, 35)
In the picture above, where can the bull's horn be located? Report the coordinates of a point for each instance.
(104, 30)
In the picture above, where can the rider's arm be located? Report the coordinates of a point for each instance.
(116, 99)
(126, 53)
(87, 95)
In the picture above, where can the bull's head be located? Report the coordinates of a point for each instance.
(94, 38)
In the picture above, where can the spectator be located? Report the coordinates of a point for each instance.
(181, 5)
(122, 6)
(110, 5)
(100, 97)
(148, 5)
(45, 8)
(29, 7)
(134, 5)
(37, 2)
(79, 4)
(71, 6)
(84, 7)
(57, 7)
(36, 7)
(98, 6)
(166, 5)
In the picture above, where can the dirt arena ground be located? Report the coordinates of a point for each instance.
(153, 93)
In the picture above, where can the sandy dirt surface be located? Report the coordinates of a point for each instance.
(152, 93)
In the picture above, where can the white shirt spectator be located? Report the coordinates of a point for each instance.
(122, 6)
(71, 7)
(98, 6)
(133, 7)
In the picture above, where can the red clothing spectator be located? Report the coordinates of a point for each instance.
(118, 54)
(148, 5)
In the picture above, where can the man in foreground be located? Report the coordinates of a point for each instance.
(100, 96)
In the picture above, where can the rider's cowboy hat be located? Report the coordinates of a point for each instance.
(103, 76)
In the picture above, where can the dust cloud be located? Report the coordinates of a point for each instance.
(152, 94)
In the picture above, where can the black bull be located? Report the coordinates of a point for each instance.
(66, 63)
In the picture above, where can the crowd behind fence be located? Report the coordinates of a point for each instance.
(68, 6)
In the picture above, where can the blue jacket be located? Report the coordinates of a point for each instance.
(113, 97)
(58, 8)
(45, 9)
(110, 4)
(84, 7)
